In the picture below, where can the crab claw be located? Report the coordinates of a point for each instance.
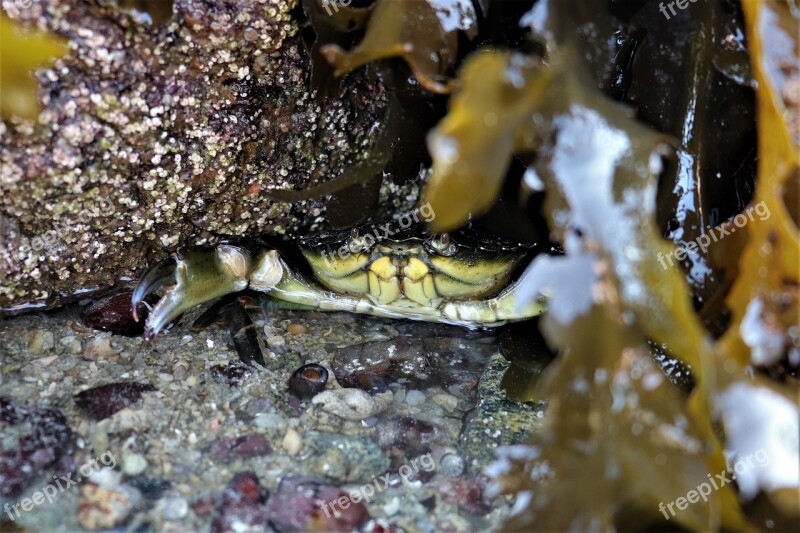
(151, 281)
(199, 276)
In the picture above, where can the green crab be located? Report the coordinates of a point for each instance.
(462, 279)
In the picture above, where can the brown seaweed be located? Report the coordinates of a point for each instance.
(17, 83)
(423, 33)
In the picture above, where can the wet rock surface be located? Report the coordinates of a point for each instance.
(496, 421)
(183, 444)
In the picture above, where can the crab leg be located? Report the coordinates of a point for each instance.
(198, 276)
(497, 310)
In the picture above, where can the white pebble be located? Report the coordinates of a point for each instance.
(292, 442)
(352, 404)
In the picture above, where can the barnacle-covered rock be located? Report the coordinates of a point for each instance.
(155, 137)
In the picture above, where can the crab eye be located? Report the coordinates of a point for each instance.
(442, 244)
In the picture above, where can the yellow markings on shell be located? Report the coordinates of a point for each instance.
(418, 283)
(357, 283)
(455, 279)
(383, 283)
(340, 274)
(334, 266)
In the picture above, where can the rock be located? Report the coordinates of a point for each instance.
(102, 348)
(270, 421)
(412, 436)
(105, 508)
(39, 341)
(380, 525)
(466, 493)
(231, 374)
(72, 344)
(103, 401)
(304, 503)
(292, 442)
(447, 401)
(346, 458)
(173, 508)
(31, 440)
(496, 421)
(230, 449)
(415, 397)
(352, 404)
(371, 365)
(114, 314)
(242, 506)
(133, 463)
(296, 329)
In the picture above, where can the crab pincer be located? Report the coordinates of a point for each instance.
(193, 278)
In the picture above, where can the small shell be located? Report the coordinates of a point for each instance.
(308, 380)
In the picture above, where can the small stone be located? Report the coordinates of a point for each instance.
(44, 362)
(466, 493)
(296, 329)
(415, 397)
(114, 314)
(447, 401)
(256, 406)
(232, 373)
(352, 404)
(174, 508)
(303, 503)
(230, 449)
(101, 402)
(392, 507)
(133, 463)
(242, 505)
(292, 442)
(102, 347)
(269, 421)
(275, 341)
(39, 341)
(105, 508)
(71, 344)
(41, 438)
(179, 373)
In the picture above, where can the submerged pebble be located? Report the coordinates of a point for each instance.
(352, 404)
(292, 442)
(39, 341)
(101, 402)
(105, 507)
(242, 506)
